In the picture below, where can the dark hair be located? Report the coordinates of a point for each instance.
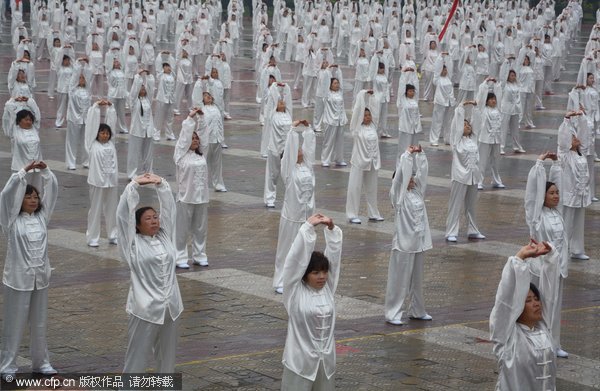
(138, 216)
(490, 95)
(535, 290)
(549, 185)
(318, 262)
(381, 66)
(409, 87)
(197, 150)
(104, 127)
(24, 114)
(166, 64)
(29, 190)
(589, 74)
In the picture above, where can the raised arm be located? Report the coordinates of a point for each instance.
(297, 261)
(11, 198)
(333, 252)
(185, 137)
(49, 191)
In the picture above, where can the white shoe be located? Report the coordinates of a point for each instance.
(270, 205)
(94, 244)
(182, 266)
(502, 151)
(171, 138)
(355, 220)
(72, 168)
(580, 257)
(479, 186)
(424, 317)
(220, 190)
(324, 164)
(46, 369)
(113, 241)
(395, 322)
(499, 186)
(279, 290)
(595, 199)
(227, 116)
(452, 239)
(341, 164)
(434, 144)
(520, 150)
(376, 218)
(561, 353)
(264, 156)
(202, 262)
(157, 139)
(476, 236)
(224, 146)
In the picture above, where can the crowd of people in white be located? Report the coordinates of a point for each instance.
(485, 75)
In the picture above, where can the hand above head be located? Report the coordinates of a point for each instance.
(194, 111)
(534, 250)
(318, 218)
(147, 179)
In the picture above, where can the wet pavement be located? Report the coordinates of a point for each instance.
(233, 327)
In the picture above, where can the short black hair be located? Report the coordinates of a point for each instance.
(29, 190)
(24, 114)
(318, 262)
(409, 87)
(549, 185)
(138, 216)
(490, 95)
(535, 290)
(105, 127)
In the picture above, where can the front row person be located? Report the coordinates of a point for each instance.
(412, 238)
(154, 305)
(24, 215)
(520, 320)
(309, 282)
(192, 194)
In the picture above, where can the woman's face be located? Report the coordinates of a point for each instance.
(590, 80)
(410, 94)
(467, 129)
(411, 183)
(317, 279)
(207, 98)
(30, 202)
(552, 197)
(195, 142)
(142, 91)
(214, 73)
(21, 77)
(512, 77)
(444, 72)
(280, 106)
(26, 122)
(532, 313)
(491, 102)
(335, 85)
(103, 136)
(149, 223)
(367, 118)
(526, 61)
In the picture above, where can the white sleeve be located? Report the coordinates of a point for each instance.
(297, 261)
(535, 192)
(11, 199)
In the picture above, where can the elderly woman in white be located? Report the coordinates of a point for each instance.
(192, 195)
(154, 302)
(465, 176)
(334, 121)
(511, 111)
(309, 283)
(299, 201)
(103, 175)
(80, 100)
(412, 238)
(214, 156)
(366, 159)
(21, 123)
(24, 215)
(487, 123)
(543, 214)
(520, 319)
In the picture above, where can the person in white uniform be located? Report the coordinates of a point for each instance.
(573, 142)
(334, 121)
(154, 303)
(412, 238)
(24, 216)
(511, 110)
(443, 102)
(409, 116)
(103, 175)
(165, 96)
(21, 124)
(141, 144)
(465, 175)
(310, 280)
(117, 93)
(299, 200)
(543, 214)
(366, 159)
(520, 319)
(80, 100)
(214, 157)
(192, 195)
(487, 122)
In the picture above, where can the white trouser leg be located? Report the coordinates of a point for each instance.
(417, 303)
(456, 201)
(547, 78)
(179, 87)
(504, 129)
(437, 117)
(527, 99)
(539, 87)
(556, 314)
(287, 233)
(226, 100)
(272, 172)
(513, 126)
(358, 86)
(555, 68)
(94, 215)
(52, 83)
(264, 137)
(189, 90)
(291, 381)
(574, 219)
(306, 87)
(144, 338)
(183, 224)
(298, 74)
(338, 144)
(470, 204)
(328, 143)
(382, 123)
(447, 120)
(61, 112)
(146, 154)
(111, 200)
(215, 165)
(400, 272)
(139, 149)
(119, 104)
(199, 231)
(73, 142)
(38, 324)
(488, 157)
(355, 182)
(318, 113)
(404, 141)
(429, 89)
(370, 185)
